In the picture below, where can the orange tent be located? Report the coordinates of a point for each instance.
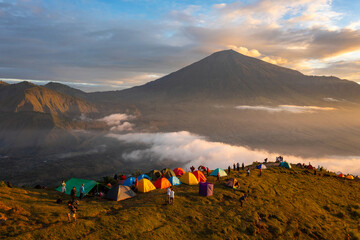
(199, 176)
(179, 171)
(162, 183)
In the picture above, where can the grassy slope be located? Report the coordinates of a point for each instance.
(292, 204)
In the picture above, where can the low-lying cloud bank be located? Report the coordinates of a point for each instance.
(119, 122)
(285, 108)
(191, 149)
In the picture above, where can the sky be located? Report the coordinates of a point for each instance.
(98, 45)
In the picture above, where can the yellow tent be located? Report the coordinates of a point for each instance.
(189, 179)
(145, 185)
(350, 177)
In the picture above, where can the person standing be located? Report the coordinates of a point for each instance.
(82, 191)
(73, 193)
(63, 186)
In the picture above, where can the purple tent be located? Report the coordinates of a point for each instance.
(206, 189)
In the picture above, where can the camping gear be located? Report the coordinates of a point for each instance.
(77, 183)
(261, 166)
(233, 183)
(179, 171)
(351, 177)
(199, 176)
(145, 185)
(168, 173)
(143, 176)
(155, 174)
(189, 178)
(174, 181)
(206, 189)
(221, 172)
(129, 181)
(120, 192)
(162, 183)
(285, 165)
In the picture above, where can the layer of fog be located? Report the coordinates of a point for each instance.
(119, 122)
(191, 149)
(285, 108)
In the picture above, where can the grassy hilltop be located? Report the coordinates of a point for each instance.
(292, 204)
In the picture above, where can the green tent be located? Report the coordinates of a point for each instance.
(77, 182)
(285, 165)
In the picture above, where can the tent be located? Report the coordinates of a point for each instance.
(143, 176)
(199, 176)
(77, 182)
(233, 183)
(120, 192)
(154, 174)
(174, 181)
(261, 166)
(351, 177)
(168, 173)
(145, 185)
(189, 178)
(162, 183)
(341, 175)
(129, 181)
(179, 171)
(221, 172)
(206, 189)
(285, 165)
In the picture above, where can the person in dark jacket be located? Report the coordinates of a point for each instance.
(73, 193)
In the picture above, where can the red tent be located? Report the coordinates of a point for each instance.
(199, 176)
(179, 171)
(162, 183)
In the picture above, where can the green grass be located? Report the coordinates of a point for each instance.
(292, 204)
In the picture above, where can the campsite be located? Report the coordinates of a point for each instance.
(283, 203)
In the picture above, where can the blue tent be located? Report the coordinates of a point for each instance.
(129, 181)
(285, 165)
(174, 181)
(261, 166)
(143, 176)
(221, 172)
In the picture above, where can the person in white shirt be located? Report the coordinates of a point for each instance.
(172, 196)
(168, 194)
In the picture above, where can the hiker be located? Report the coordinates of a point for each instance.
(63, 186)
(248, 172)
(234, 166)
(238, 166)
(242, 199)
(168, 194)
(260, 172)
(72, 210)
(73, 193)
(82, 191)
(229, 169)
(243, 166)
(172, 196)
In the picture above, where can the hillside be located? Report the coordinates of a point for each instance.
(292, 204)
(25, 97)
(230, 77)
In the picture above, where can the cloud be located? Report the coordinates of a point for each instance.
(119, 122)
(286, 108)
(190, 149)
